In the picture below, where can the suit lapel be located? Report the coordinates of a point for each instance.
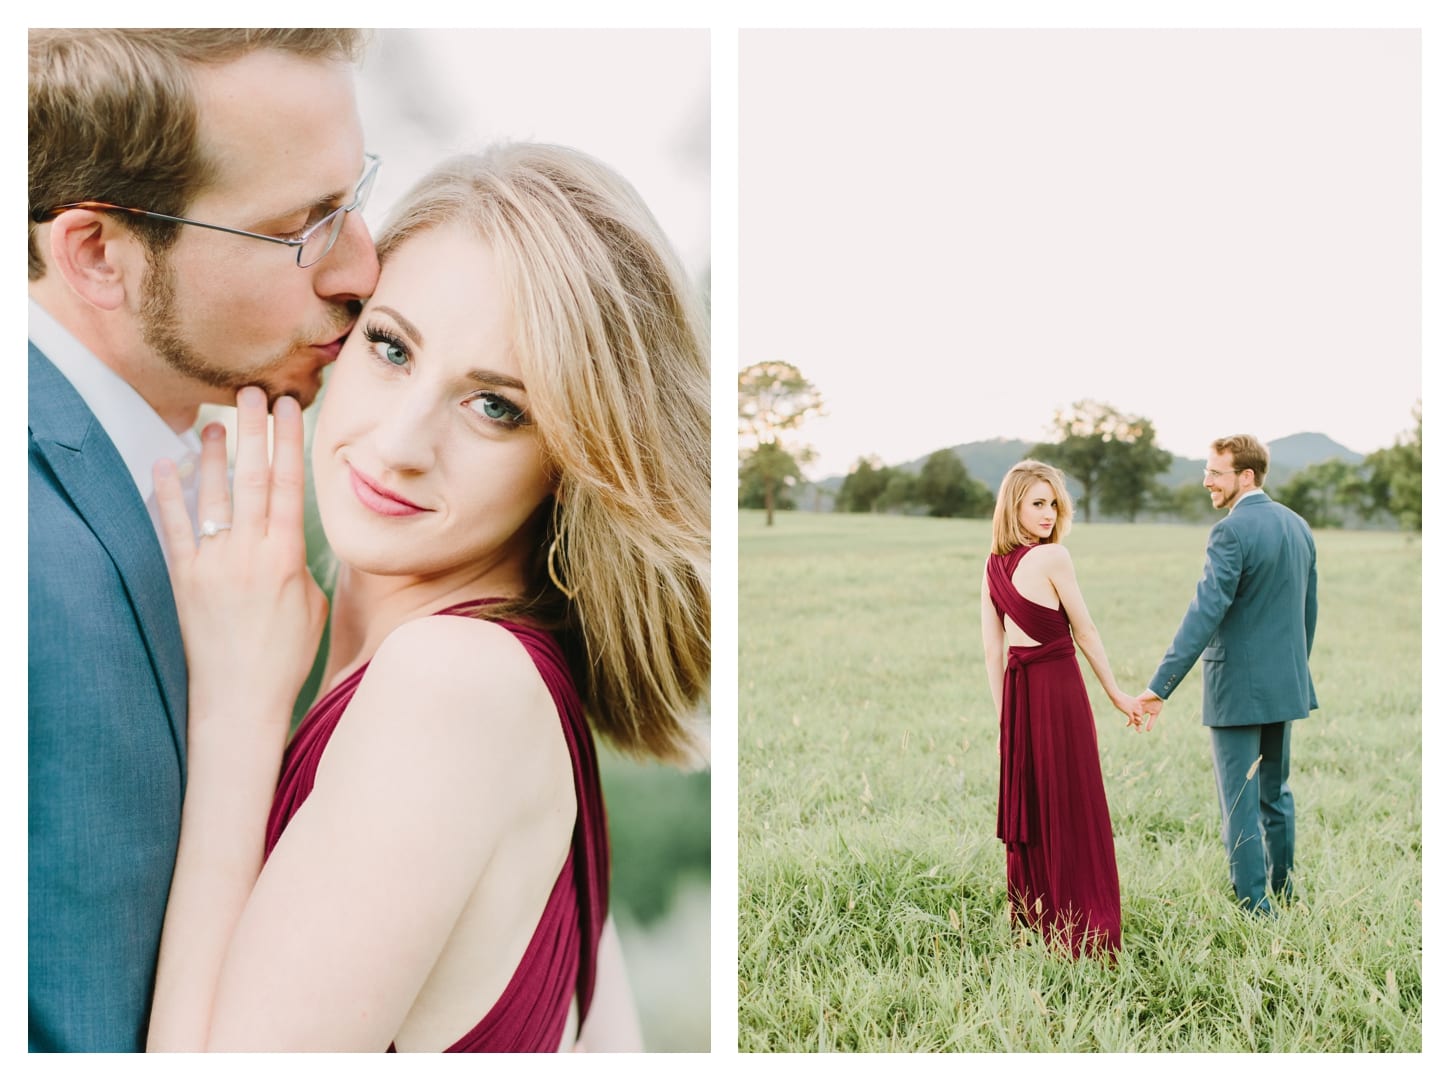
(90, 471)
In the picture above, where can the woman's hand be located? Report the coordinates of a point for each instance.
(251, 615)
(1129, 706)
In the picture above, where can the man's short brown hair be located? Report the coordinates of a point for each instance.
(113, 115)
(1247, 453)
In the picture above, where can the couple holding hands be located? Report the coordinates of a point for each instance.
(1251, 620)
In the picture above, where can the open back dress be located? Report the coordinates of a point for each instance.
(1052, 812)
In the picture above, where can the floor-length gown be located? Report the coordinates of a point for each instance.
(558, 964)
(1062, 872)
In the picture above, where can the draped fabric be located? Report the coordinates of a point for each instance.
(1052, 812)
(558, 964)
(1016, 788)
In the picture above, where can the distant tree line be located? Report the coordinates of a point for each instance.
(1387, 482)
(943, 488)
(1113, 457)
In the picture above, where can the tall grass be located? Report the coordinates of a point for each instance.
(872, 886)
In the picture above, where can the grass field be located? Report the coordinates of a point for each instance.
(872, 886)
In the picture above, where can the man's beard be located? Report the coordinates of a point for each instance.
(161, 330)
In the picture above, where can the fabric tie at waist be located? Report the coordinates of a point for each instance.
(1015, 783)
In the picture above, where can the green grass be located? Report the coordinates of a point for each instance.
(872, 888)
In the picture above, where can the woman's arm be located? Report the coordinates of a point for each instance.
(994, 638)
(251, 617)
(429, 775)
(1057, 563)
(445, 761)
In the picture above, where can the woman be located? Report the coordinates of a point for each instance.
(511, 465)
(1062, 875)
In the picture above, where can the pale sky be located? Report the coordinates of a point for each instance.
(953, 233)
(639, 100)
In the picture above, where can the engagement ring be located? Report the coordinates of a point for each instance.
(211, 529)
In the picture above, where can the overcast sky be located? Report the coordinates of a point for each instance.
(637, 99)
(955, 233)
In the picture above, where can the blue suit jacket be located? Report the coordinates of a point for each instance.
(107, 732)
(1252, 619)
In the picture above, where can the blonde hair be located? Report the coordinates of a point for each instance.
(611, 337)
(1007, 529)
(113, 116)
(1247, 453)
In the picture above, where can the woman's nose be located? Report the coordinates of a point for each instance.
(405, 436)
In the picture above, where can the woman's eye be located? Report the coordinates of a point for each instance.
(492, 407)
(391, 352)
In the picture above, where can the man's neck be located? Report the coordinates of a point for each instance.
(116, 343)
(1245, 493)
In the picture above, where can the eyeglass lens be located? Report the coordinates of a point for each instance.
(320, 242)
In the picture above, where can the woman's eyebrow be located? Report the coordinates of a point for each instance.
(496, 379)
(408, 328)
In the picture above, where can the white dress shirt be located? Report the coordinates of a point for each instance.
(138, 432)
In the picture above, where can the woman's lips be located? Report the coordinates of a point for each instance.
(379, 499)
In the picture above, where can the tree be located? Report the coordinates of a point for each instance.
(1189, 501)
(1319, 492)
(864, 485)
(1393, 477)
(900, 491)
(1129, 486)
(768, 469)
(766, 477)
(1111, 455)
(774, 398)
(948, 490)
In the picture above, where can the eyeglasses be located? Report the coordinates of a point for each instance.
(312, 243)
(1216, 473)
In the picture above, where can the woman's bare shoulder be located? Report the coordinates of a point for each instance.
(470, 686)
(1049, 557)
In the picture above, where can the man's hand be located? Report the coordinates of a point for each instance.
(1152, 706)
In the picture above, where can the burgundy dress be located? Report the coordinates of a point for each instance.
(558, 963)
(1062, 872)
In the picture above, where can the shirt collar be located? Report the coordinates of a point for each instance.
(1239, 502)
(138, 432)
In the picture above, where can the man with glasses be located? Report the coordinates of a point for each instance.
(1252, 620)
(170, 171)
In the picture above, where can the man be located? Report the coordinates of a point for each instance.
(1252, 619)
(150, 152)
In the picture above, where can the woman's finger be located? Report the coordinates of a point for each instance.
(176, 532)
(251, 477)
(284, 519)
(213, 502)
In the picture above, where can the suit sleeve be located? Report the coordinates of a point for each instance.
(1216, 591)
(1311, 601)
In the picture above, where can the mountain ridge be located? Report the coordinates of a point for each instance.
(988, 460)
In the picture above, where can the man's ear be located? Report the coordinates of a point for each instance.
(93, 254)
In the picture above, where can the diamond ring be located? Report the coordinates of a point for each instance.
(211, 529)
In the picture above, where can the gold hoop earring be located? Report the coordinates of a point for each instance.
(554, 575)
